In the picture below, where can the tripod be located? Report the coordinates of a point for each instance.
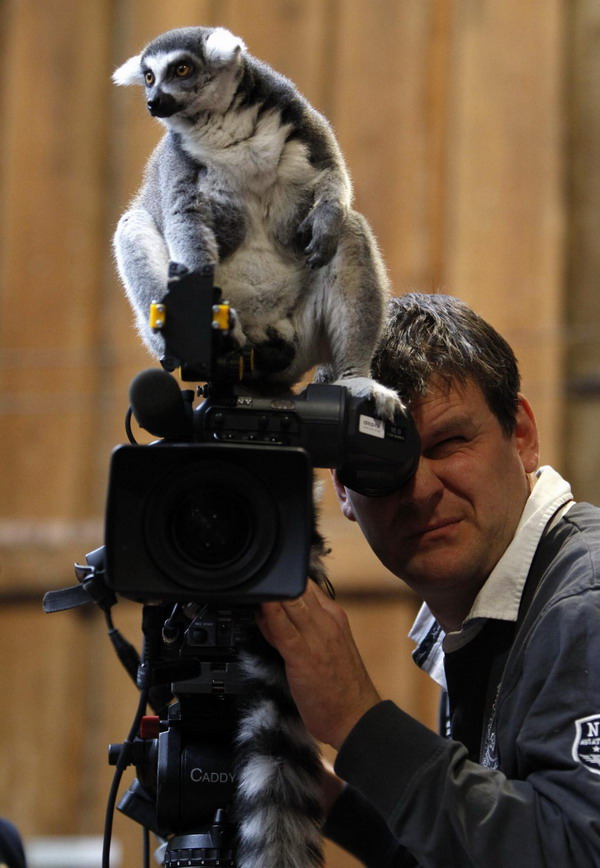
(184, 755)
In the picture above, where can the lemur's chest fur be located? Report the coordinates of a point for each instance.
(253, 154)
(252, 162)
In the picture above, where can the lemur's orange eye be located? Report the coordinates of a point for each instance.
(182, 70)
(149, 78)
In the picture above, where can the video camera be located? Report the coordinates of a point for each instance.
(201, 526)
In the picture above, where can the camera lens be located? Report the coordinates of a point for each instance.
(209, 528)
(211, 525)
(193, 522)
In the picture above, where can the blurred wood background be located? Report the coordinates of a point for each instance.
(471, 129)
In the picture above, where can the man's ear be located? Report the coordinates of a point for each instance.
(342, 496)
(526, 435)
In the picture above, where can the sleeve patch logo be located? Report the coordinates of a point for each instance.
(586, 746)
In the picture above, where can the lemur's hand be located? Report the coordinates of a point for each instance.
(387, 403)
(324, 226)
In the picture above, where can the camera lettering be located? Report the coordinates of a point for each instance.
(198, 776)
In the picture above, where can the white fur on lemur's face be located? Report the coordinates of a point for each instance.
(189, 79)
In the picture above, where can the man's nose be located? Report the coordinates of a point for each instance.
(424, 486)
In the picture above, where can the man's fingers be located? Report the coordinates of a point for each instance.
(290, 622)
(312, 601)
(299, 610)
(303, 614)
(326, 675)
(276, 625)
(262, 622)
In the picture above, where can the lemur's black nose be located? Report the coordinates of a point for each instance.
(162, 105)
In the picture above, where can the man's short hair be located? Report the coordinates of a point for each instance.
(433, 337)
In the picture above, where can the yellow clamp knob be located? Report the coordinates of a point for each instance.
(221, 318)
(157, 315)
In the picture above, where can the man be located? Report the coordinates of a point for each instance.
(508, 566)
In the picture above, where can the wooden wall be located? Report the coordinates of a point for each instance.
(582, 310)
(455, 118)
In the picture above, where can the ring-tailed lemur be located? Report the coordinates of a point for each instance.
(249, 178)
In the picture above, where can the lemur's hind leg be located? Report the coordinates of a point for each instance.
(351, 298)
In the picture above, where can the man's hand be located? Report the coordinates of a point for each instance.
(326, 674)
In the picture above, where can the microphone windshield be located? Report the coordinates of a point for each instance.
(159, 406)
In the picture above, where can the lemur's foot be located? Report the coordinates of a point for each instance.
(387, 403)
(237, 333)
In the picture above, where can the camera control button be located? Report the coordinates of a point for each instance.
(149, 726)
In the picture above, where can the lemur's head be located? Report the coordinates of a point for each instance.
(187, 71)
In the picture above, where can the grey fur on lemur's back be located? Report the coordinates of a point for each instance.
(249, 177)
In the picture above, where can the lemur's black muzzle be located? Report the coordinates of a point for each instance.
(162, 105)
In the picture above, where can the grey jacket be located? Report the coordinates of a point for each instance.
(416, 798)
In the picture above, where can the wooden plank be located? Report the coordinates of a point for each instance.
(504, 217)
(582, 417)
(293, 36)
(389, 115)
(44, 663)
(51, 219)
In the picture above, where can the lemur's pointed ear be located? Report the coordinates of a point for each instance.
(130, 72)
(222, 47)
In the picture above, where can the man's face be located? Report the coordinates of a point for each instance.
(446, 529)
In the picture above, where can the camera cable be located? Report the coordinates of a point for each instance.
(124, 758)
(122, 763)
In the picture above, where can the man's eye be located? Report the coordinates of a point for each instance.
(446, 446)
